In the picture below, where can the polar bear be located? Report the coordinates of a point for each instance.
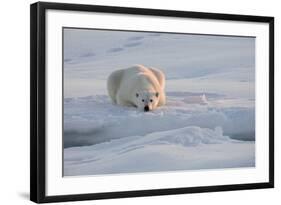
(137, 86)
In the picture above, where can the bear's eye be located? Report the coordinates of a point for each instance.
(151, 100)
(137, 95)
(157, 94)
(143, 100)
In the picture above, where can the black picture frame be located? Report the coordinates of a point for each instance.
(38, 101)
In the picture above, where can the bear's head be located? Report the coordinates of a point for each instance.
(146, 100)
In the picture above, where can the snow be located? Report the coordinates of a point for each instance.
(200, 62)
(94, 119)
(207, 123)
(178, 149)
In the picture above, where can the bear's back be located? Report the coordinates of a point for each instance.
(135, 70)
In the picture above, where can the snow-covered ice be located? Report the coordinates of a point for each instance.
(178, 136)
(94, 119)
(209, 119)
(178, 149)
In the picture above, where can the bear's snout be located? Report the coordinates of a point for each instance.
(146, 108)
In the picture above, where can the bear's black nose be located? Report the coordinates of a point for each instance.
(146, 108)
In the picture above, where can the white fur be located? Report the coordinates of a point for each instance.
(137, 86)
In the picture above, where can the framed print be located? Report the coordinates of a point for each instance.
(129, 102)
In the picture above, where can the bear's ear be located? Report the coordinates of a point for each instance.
(157, 94)
(137, 95)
